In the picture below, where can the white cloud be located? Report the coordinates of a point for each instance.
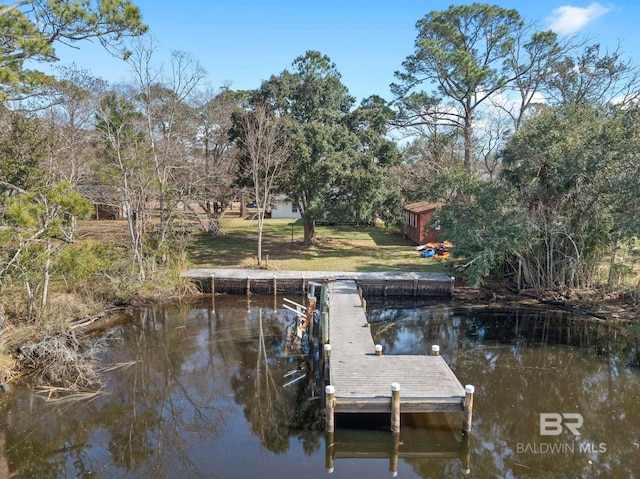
(569, 19)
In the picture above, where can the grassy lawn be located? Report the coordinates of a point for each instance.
(335, 248)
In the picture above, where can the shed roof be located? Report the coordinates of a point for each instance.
(421, 206)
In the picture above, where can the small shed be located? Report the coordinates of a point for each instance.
(416, 216)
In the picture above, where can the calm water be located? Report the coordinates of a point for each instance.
(198, 391)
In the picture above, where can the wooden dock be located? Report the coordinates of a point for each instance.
(381, 284)
(361, 381)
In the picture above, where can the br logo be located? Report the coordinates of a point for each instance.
(554, 424)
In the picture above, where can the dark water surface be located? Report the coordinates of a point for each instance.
(196, 391)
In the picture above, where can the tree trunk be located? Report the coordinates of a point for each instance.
(612, 263)
(309, 230)
(468, 139)
(45, 285)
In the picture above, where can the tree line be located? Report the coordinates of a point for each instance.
(527, 138)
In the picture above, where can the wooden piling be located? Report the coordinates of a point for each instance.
(325, 328)
(364, 305)
(467, 418)
(326, 358)
(213, 284)
(275, 285)
(395, 408)
(329, 452)
(393, 459)
(435, 350)
(466, 455)
(415, 286)
(248, 285)
(330, 392)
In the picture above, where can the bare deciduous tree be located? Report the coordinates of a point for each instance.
(264, 139)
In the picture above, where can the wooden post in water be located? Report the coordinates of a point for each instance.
(330, 392)
(453, 282)
(326, 338)
(466, 455)
(213, 284)
(395, 408)
(329, 452)
(415, 286)
(393, 460)
(364, 305)
(275, 285)
(467, 418)
(248, 285)
(435, 349)
(325, 361)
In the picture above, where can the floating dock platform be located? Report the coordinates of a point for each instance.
(362, 379)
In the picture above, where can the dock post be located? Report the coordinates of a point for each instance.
(435, 349)
(378, 348)
(329, 452)
(213, 284)
(330, 392)
(467, 418)
(415, 286)
(385, 288)
(248, 285)
(275, 285)
(364, 305)
(453, 281)
(466, 455)
(393, 460)
(304, 286)
(325, 328)
(325, 361)
(395, 408)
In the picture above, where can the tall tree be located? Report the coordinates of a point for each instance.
(339, 155)
(313, 96)
(163, 102)
(566, 197)
(126, 166)
(263, 138)
(467, 52)
(30, 29)
(593, 77)
(214, 166)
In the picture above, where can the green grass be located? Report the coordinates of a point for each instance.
(335, 248)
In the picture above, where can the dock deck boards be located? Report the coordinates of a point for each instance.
(262, 274)
(362, 380)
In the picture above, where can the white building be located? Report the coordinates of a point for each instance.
(282, 207)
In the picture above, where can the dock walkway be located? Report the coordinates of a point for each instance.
(362, 380)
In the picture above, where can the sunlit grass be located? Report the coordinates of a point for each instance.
(335, 248)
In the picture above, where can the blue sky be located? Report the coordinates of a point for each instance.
(246, 41)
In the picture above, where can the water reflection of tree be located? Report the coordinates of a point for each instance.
(275, 413)
(154, 413)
